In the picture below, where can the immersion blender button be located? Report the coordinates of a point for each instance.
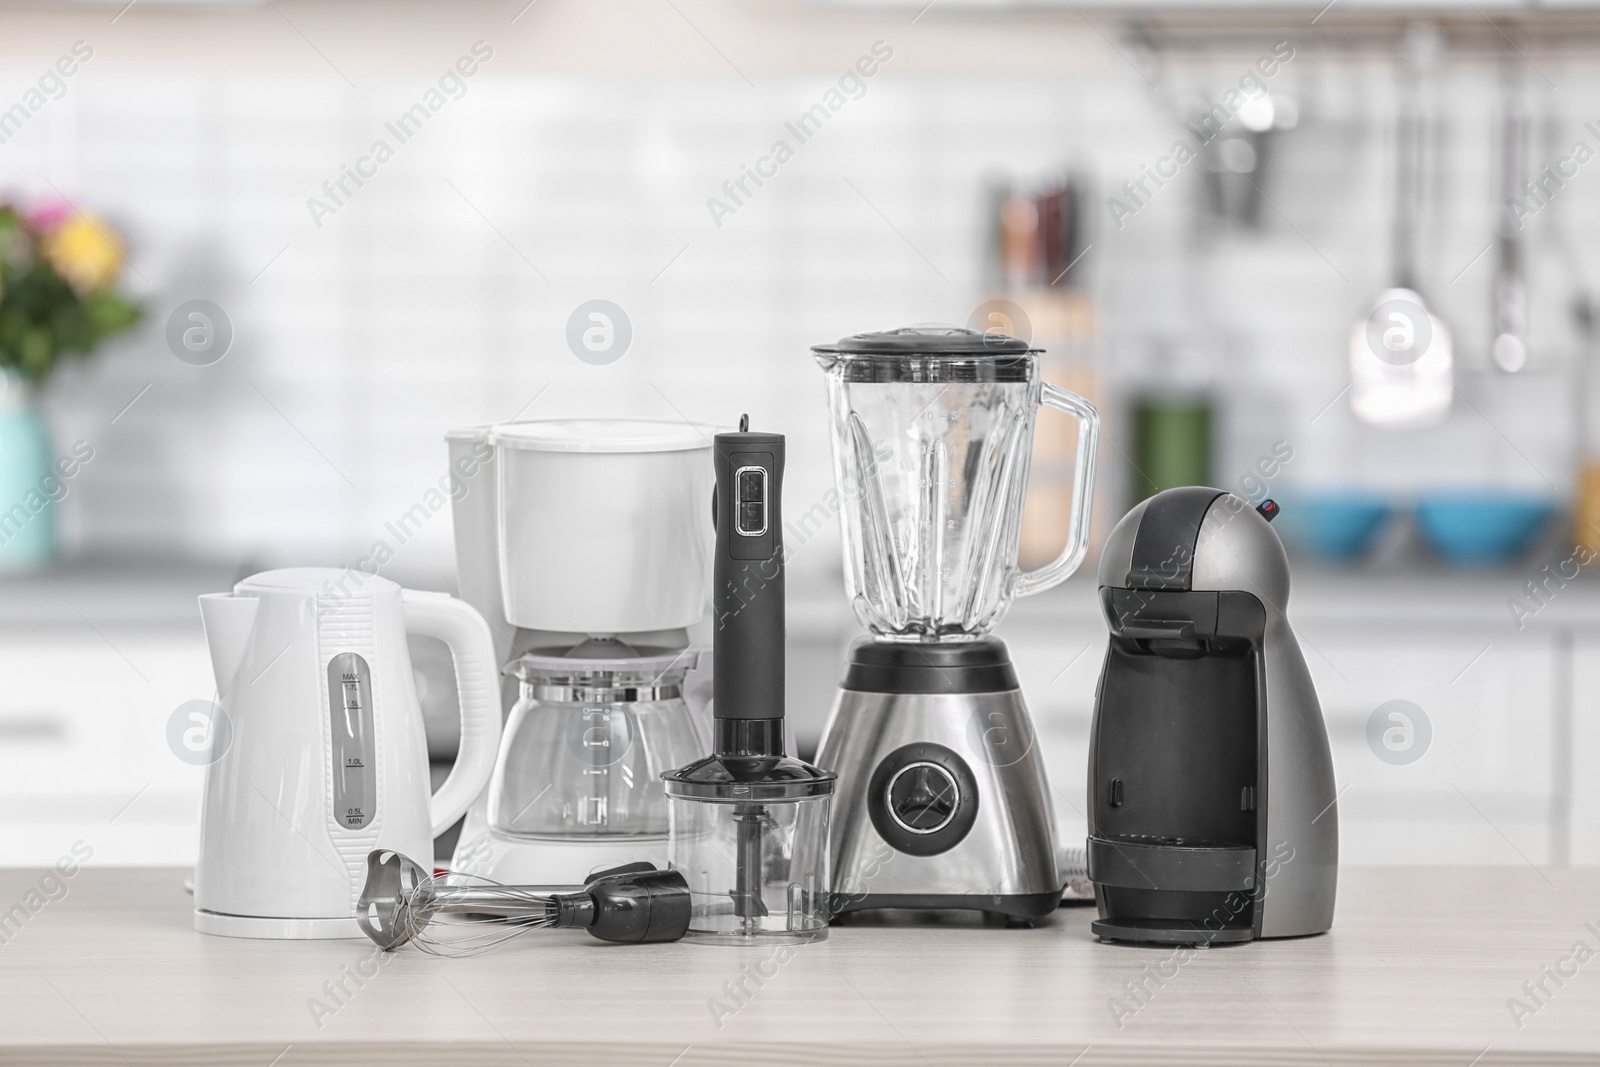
(751, 483)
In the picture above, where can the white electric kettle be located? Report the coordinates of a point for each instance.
(325, 757)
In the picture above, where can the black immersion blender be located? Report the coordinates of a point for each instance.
(749, 824)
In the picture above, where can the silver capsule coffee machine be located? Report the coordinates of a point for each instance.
(942, 799)
(1212, 813)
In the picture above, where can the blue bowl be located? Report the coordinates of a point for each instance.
(1482, 526)
(1337, 526)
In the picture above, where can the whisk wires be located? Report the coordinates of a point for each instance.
(459, 924)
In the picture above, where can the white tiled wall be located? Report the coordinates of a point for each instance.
(439, 295)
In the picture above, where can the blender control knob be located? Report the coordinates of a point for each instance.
(923, 798)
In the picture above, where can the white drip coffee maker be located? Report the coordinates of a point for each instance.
(586, 543)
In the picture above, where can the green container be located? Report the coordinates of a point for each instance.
(1171, 444)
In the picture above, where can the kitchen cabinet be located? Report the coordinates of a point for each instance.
(84, 752)
(93, 677)
(1581, 759)
(1485, 789)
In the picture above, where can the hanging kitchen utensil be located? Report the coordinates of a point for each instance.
(1401, 361)
(1509, 349)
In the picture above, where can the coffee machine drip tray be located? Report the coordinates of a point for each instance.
(1171, 864)
(1151, 868)
(1172, 931)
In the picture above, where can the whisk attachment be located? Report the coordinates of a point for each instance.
(632, 904)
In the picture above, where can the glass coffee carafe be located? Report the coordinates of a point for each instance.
(932, 438)
(586, 744)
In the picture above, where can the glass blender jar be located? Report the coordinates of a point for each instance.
(930, 737)
(932, 437)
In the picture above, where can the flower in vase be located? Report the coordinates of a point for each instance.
(84, 252)
(58, 295)
(46, 216)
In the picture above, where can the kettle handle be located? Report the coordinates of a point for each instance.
(478, 685)
(1059, 569)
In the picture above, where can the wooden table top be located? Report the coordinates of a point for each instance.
(1424, 966)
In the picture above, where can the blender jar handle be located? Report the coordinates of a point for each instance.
(1057, 571)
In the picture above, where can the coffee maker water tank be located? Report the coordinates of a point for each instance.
(1211, 790)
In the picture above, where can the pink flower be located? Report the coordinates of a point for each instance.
(48, 215)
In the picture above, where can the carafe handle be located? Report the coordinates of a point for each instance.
(478, 685)
(1059, 569)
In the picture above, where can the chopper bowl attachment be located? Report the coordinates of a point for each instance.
(750, 837)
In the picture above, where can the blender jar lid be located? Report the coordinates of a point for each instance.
(930, 354)
(928, 341)
(602, 435)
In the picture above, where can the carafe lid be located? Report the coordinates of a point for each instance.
(589, 664)
(930, 354)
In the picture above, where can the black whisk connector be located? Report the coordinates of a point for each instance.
(633, 905)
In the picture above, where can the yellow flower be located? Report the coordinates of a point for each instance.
(84, 252)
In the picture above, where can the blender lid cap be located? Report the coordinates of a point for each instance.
(930, 340)
(602, 435)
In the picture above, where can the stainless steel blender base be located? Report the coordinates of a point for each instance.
(942, 803)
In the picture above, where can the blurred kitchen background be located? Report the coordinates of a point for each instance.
(994, 170)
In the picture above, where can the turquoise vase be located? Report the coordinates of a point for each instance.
(27, 510)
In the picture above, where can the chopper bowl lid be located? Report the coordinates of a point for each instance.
(602, 435)
(741, 780)
(928, 341)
